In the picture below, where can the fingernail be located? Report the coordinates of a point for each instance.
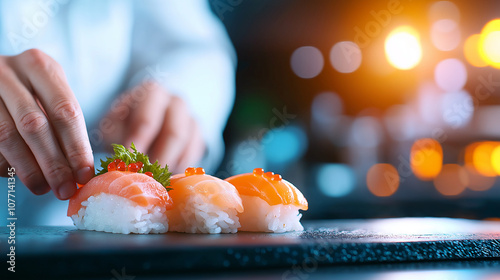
(67, 190)
(84, 175)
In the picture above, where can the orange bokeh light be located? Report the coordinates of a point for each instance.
(478, 182)
(471, 51)
(382, 179)
(403, 48)
(482, 158)
(495, 159)
(469, 155)
(426, 158)
(489, 42)
(452, 180)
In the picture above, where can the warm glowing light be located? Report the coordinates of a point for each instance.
(402, 48)
(495, 159)
(382, 179)
(469, 155)
(471, 51)
(491, 49)
(478, 182)
(452, 180)
(426, 158)
(482, 158)
(489, 42)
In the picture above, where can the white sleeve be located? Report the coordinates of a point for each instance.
(183, 46)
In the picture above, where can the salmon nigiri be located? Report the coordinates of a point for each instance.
(124, 197)
(271, 203)
(203, 203)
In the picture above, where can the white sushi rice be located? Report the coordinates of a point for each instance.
(262, 217)
(112, 213)
(196, 215)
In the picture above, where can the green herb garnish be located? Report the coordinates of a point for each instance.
(160, 174)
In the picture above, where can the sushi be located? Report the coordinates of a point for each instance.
(129, 195)
(203, 204)
(271, 204)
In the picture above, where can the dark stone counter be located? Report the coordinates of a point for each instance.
(65, 251)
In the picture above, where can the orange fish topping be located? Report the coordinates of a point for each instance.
(136, 187)
(270, 187)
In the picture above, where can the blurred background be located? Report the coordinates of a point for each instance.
(372, 108)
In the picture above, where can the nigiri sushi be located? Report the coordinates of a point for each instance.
(271, 204)
(121, 200)
(203, 204)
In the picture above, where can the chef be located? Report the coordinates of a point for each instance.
(76, 76)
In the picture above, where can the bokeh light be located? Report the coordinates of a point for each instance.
(495, 159)
(402, 48)
(429, 101)
(469, 155)
(450, 74)
(478, 182)
(346, 57)
(479, 165)
(471, 51)
(382, 179)
(452, 180)
(491, 49)
(307, 62)
(457, 108)
(366, 132)
(336, 180)
(426, 158)
(489, 43)
(284, 145)
(482, 158)
(444, 10)
(326, 107)
(445, 34)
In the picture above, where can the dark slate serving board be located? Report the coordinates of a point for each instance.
(65, 251)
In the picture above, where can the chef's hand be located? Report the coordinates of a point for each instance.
(42, 130)
(158, 123)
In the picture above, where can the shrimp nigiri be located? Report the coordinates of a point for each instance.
(271, 203)
(203, 203)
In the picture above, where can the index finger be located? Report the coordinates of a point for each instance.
(61, 106)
